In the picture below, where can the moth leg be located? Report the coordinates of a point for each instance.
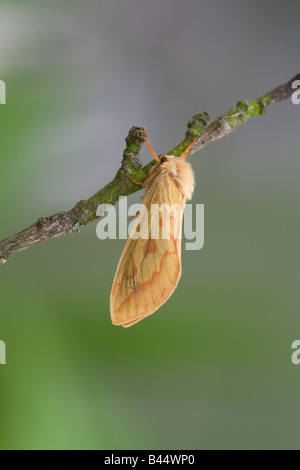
(154, 154)
(142, 183)
(150, 177)
(133, 216)
(186, 151)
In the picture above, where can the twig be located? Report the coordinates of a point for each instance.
(84, 212)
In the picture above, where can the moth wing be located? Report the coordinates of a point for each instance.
(149, 269)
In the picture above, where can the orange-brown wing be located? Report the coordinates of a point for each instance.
(149, 269)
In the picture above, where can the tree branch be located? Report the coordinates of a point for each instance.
(84, 212)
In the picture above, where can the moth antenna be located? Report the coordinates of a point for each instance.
(154, 154)
(186, 151)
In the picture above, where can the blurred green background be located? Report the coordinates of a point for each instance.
(212, 368)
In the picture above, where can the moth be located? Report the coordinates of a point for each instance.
(150, 265)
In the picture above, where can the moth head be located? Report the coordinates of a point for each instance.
(164, 159)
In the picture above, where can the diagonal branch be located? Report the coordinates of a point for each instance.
(84, 212)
